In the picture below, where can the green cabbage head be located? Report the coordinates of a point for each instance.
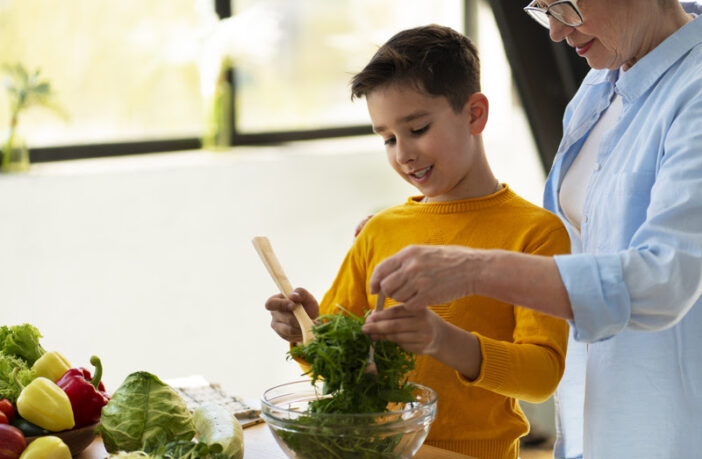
(144, 412)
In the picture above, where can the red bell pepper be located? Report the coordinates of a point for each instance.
(87, 394)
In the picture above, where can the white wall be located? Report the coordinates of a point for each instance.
(147, 262)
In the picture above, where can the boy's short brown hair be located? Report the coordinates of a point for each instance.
(435, 59)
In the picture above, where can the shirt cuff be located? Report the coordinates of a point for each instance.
(598, 296)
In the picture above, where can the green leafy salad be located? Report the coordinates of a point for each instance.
(338, 356)
(19, 349)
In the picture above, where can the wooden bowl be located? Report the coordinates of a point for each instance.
(76, 440)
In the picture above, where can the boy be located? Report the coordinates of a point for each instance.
(480, 355)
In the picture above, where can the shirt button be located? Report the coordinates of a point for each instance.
(598, 166)
(585, 218)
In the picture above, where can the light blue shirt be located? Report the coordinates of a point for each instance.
(633, 382)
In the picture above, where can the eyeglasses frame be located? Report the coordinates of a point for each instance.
(546, 11)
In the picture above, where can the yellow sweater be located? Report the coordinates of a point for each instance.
(523, 351)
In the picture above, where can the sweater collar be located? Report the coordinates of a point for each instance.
(462, 205)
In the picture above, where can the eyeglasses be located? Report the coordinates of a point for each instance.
(564, 11)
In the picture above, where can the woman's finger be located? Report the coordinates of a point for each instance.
(395, 312)
(383, 270)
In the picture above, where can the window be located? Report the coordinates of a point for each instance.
(304, 83)
(122, 71)
(133, 76)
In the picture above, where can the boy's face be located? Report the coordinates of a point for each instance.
(426, 141)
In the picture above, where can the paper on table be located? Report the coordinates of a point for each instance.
(197, 391)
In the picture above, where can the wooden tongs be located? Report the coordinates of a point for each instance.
(265, 251)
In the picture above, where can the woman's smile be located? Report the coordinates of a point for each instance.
(584, 48)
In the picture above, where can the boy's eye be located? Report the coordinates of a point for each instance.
(421, 130)
(389, 141)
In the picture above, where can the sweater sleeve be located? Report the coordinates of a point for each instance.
(530, 367)
(350, 286)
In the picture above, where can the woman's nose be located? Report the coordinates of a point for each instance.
(557, 30)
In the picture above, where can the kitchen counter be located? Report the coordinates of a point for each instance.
(260, 444)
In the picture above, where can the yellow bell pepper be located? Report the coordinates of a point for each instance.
(51, 365)
(48, 447)
(45, 404)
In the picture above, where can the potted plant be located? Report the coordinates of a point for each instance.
(25, 90)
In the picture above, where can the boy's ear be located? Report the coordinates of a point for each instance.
(478, 107)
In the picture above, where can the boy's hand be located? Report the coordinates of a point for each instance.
(417, 331)
(283, 320)
(424, 332)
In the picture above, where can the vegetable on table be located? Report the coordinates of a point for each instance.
(21, 341)
(51, 365)
(9, 387)
(12, 442)
(48, 447)
(216, 425)
(144, 412)
(183, 449)
(19, 349)
(8, 409)
(45, 404)
(130, 455)
(86, 393)
(28, 429)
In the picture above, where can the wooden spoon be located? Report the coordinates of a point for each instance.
(265, 251)
(372, 368)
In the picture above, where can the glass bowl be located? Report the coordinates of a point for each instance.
(395, 434)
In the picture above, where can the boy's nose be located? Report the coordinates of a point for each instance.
(404, 152)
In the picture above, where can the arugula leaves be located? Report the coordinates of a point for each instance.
(338, 357)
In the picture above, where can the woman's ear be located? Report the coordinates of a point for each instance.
(478, 107)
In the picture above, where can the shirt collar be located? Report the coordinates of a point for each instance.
(645, 73)
(639, 78)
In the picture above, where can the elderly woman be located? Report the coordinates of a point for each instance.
(627, 182)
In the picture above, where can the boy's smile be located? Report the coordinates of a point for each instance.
(430, 145)
(422, 175)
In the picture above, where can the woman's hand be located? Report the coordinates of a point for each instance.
(426, 275)
(423, 332)
(283, 320)
(416, 331)
(361, 224)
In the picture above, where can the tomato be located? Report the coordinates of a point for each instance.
(3, 418)
(8, 409)
(12, 442)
